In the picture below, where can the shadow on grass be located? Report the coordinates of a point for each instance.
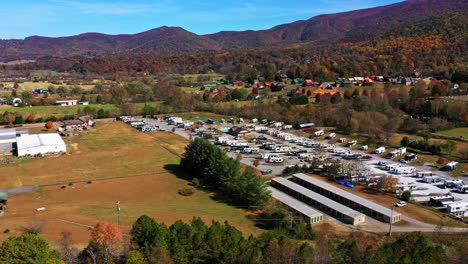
(216, 195)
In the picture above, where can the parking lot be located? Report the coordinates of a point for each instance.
(276, 149)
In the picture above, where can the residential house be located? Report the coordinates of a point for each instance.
(67, 102)
(368, 82)
(297, 80)
(277, 86)
(80, 123)
(308, 82)
(239, 83)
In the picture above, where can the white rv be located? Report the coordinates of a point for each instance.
(319, 133)
(379, 150)
(451, 165)
(275, 159)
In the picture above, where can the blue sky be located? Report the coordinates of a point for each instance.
(70, 17)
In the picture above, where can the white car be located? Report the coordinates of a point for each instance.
(400, 204)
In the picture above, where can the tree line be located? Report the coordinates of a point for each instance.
(150, 241)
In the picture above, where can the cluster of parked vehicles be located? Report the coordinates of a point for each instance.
(139, 124)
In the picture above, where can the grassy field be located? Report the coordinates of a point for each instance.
(58, 111)
(29, 86)
(112, 150)
(456, 132)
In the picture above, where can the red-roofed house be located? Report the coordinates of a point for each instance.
(308, 82)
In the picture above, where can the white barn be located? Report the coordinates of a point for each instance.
(40, 145)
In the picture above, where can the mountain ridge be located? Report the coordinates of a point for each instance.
(355, 25)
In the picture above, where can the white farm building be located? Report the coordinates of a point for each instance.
(40, 145)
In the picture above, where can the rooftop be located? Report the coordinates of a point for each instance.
(347, 195)
(293, 203)
(31, 141)
(319, 198)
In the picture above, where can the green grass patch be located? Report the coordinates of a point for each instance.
(59, 111)
(456, 132)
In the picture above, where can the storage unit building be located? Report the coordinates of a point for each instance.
(348, 199)
(310, 215)
(318, 201)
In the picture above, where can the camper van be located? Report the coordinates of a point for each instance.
(352, 143)
(365, 147)
(331, 136)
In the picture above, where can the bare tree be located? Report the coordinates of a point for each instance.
(35, 227)
(66, 249)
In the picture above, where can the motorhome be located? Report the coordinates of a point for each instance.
(342, 140)
(352, 143)
(331, 136)
(221, 140)
(421, 174)
(404, 170)
(275, 159)
(431, 179)
(459, 209)
(410, 157)
(364, 147)
(250, 150)
(379, 150)
(282, 149)
(304, 156)
(451, 165)
(453, 183)
(462, 189)
(319, 133)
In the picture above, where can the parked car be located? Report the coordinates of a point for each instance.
(266, 172)
(367, 157)
(400, 204)
(403, 161)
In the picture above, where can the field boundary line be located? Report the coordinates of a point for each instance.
(74, 223)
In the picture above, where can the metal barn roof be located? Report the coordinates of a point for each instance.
(319, 198)
(294, 204)
(31, 141)
(347, 195)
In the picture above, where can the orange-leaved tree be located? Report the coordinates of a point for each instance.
(49, 124)
(108, 238)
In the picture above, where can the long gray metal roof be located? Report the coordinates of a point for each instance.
(319, 198)
(347, 195)
(294, 204)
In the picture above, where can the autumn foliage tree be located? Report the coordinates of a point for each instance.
(106, 240)
(30, 118)
(49, 124)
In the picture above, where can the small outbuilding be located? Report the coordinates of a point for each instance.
(238, 131)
